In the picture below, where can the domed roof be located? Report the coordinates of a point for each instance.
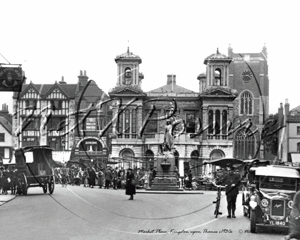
(128, 56)
(217, 57)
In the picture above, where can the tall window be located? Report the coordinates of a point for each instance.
(190, 123)
(246, 102)
(224, 123)
(298, 130)
(151, 127)
(298, 147)
(2, 137)
(120, 125)
(243, 145)
(218, 77)
(210, 122)
(127, 123)
(134, 123)
(217, 125)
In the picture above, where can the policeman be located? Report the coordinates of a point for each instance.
(231, 182)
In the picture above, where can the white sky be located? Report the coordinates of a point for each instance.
(53, 38)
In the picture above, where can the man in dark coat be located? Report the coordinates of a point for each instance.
(130, 186)
(294, 220)
(231, 182)
(108, 178)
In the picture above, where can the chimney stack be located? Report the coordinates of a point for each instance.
(82, 79)
(286, 108)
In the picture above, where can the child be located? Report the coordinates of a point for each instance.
(294, 232)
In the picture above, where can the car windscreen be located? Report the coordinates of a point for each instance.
(278, 183)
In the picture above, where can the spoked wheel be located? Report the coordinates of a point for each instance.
(51, 185)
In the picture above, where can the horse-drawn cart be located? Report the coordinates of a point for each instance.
(34, 168)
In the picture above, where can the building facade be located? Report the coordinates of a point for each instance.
(289, 134)
(60, 115)
(6, 137)
(223, 119)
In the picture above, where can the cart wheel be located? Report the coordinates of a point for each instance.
(51, 185)
(24, 184)
(45, 188)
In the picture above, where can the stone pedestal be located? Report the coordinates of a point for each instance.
(165, 179)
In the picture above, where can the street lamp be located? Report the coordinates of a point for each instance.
(63, 148)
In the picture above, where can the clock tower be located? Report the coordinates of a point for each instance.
(128, 69)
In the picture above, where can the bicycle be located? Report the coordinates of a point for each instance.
(218, 199)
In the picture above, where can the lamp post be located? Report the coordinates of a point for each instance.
(63, 148)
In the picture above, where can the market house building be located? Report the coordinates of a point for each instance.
(233, 90)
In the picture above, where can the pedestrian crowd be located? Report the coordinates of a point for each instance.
(8, 180)
(108, 178)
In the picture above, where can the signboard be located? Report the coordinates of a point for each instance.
(10, 79)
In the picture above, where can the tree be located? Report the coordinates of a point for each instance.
(270, 134)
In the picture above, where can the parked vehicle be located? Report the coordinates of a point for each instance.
(35, 168)
(268, 194)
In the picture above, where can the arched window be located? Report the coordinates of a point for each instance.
(218, 77)
(127, 76)
(127, 156)
(246, 103)
(244, 145)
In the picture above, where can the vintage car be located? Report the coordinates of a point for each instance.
(267, 198)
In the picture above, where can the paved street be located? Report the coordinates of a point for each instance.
(84, 213)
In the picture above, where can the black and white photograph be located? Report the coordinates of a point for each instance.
(149, 120)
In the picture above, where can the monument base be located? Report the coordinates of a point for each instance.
(166, 179)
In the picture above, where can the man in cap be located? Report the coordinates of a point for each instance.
(231, 182)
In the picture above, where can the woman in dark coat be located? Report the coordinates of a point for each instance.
(130, 187)
(92, 175)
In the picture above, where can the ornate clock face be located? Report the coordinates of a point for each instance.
(246, 75)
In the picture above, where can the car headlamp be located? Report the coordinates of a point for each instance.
(264, 202)
(290, 204)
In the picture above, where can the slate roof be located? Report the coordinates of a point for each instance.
(43, 89)
(171, 89)
(128, 56)
(6, 124)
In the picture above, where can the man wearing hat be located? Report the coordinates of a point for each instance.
(231, 182)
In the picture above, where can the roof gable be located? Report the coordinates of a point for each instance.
(220, 92)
